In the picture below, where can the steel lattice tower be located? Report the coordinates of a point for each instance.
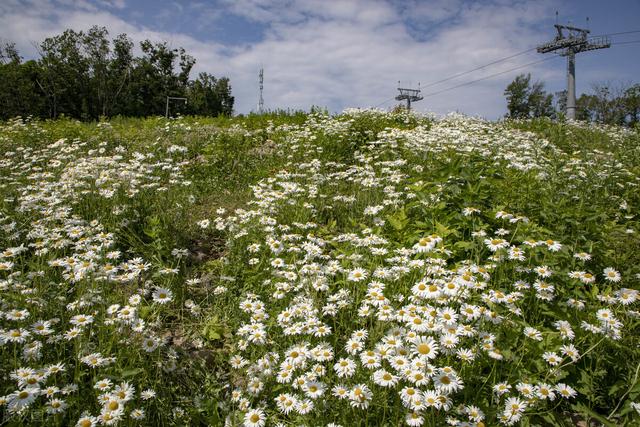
(261, 100)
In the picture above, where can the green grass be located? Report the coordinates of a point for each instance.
(241, 221)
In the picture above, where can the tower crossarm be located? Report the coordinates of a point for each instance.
(561, 44)
(409, 95)
(413, 94)
(594, 43)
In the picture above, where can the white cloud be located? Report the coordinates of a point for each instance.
(117, 4)
(332, 53)
(356, 63)
(432, 11)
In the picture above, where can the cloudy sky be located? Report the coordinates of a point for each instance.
(352, 53)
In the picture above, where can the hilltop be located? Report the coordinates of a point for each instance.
(367, 268)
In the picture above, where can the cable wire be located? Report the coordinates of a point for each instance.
(489, 76)
(384, 102)
(497, 61)
(513, 69)
(479, 67)
(626, 42)
(618, 34)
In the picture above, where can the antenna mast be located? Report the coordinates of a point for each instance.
(571, 40)
(261, 100)
(410, 95)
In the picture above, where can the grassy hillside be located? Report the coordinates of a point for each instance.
(368, 268)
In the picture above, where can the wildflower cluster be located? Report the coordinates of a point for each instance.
(363, 269)
(357, 303)
(79, 315)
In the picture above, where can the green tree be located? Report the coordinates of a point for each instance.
(96, 50)
(154, 78)
(86, 75)
(585, 107)
(610, 104)
(19, 94)
(517, 93)
(540, 103)
(65, 76)
(9, 54)
(210, 96)
(632, 104)
(525, 99)
(223, 92)
(122, 62)
(561, 101)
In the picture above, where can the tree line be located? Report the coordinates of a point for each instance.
(607, 103)
(86, 75)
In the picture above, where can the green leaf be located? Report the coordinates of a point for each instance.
(398, 220)
(144, 311)
(152, 227)
(212, 330)
(131, 372)
(552, 419)
(584, 410)
(463, 245)
(212, 335)
(619, 385)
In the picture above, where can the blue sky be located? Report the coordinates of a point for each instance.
(351, 53)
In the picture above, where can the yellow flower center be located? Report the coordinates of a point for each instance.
(424, 348)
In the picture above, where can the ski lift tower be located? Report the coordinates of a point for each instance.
(410, 95)
(571, 40)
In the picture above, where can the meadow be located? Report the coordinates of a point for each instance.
(363, 269)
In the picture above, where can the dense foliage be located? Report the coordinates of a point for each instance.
(85, 75)
(368, 268)
(605, 104)
(526, 99)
